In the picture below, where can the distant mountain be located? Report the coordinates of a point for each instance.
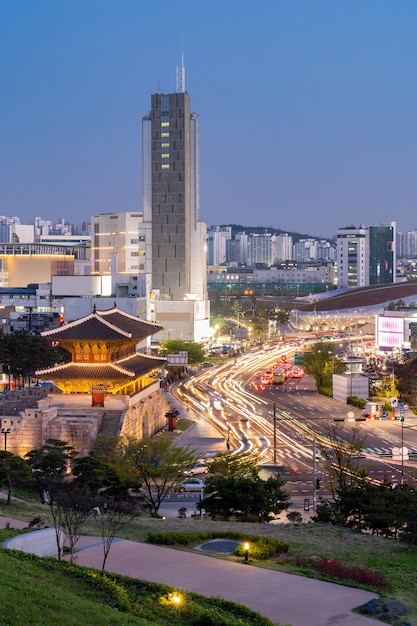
(260, 230)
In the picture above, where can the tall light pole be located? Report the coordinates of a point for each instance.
(6, 431)
(275, 434)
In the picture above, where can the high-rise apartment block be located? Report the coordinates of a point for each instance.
(366, 256)
(352, 257)
(217, 238)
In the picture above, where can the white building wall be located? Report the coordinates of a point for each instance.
(182, 319)
(284, 247)
(121, 234)
(198, 279)
(352, 257)
(22, 233)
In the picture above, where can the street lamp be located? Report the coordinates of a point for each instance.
(6, 431)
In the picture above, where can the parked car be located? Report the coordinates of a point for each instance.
(198, 468)
(191, 484)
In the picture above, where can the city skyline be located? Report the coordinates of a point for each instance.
(305, 110)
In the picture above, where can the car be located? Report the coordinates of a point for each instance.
(191, 484)
(198, 468)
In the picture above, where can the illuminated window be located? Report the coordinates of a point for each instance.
(165, 155)
(165, 124)
(164, 145)
(164, 134)
(165, 166)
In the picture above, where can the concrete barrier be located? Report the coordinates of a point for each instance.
(40, 542)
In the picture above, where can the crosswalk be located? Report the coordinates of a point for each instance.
(386, 452)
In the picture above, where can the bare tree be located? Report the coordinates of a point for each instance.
(110, 518)
(71, 507)
(342, 457)
(51, 465)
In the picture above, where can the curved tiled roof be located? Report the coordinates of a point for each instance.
(106, 326)
(130, 367)
(363, 297)
(141, 363)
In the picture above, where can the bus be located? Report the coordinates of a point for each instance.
(278, 377)
(282, 373)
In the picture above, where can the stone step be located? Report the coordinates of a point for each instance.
(110, 424)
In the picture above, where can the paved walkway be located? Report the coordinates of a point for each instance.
(284, 598)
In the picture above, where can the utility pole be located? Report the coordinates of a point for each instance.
(314, 475)
(275, 434)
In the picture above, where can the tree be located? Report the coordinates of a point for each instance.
(174, 346)
(22, 353)
(105, 469)
(294, 517)
(342, 458)
(71, 507)
(156, 462)
(244, 496)
(282, 316)
(13, 471)
(321, 361)
(235, 487)
(51, 464)
(242, 464)
(105, 474)
(110, 518)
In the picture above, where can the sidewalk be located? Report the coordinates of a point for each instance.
(284, 598)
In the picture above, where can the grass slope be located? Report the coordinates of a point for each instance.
(46, 592)
(392, 559)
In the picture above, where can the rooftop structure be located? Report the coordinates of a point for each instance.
(103, 351)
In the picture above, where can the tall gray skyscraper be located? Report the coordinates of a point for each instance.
(175, 244)
(170, 183)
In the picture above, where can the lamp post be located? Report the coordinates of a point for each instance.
(6, 431)
(246, 546)
(402, 445)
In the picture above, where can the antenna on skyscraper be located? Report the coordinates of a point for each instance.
(181, 70)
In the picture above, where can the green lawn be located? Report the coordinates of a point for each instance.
(45, 592)
(390, 558)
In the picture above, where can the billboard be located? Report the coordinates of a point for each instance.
(389, 332)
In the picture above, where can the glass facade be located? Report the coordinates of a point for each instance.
(381, 255)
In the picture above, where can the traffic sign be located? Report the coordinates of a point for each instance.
(384, 415)
(394, 402)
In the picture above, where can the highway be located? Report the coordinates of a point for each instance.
(226, 396)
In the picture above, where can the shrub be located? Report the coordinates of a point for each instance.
(117, 593)
(335, 569)
(364, 576)
(263, 548)
(186, 538)
(294, 517)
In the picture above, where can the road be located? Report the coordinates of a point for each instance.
(225, 395)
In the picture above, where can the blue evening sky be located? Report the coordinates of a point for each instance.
(307, 107)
